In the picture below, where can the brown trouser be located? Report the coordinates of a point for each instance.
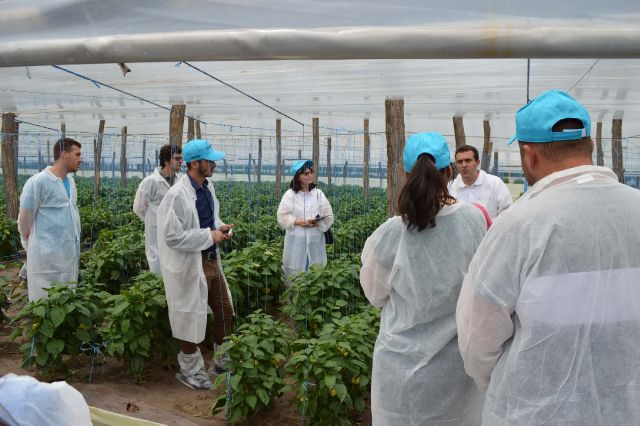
(218, 300)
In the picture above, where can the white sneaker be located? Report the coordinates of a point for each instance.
(198, 380)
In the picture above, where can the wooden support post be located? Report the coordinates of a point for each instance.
(394, 123)
(616, 149)
(495, 163)
(380, 173)
(149, 164)
(278, 183)
(259, 168)
(487, 147)
(599, 153)
(98, 160)
(9, 163)
(458, 130)
(176, 124)
(40, 166)
(63, 130)
(365, 163)
(113, 164)
(226, 169)
(299, 154)
(190, 129)
(249, 169)
(315, 155)
(144, 158)
(48, 152)
(123, 158)
(329, 163)
(156, 159)
(198, 134)
(345, 169)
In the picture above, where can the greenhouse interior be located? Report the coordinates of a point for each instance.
(344, 84)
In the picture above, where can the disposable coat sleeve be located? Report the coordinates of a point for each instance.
(285, 215)
(143, 198)
(177, 237)
(376, 267)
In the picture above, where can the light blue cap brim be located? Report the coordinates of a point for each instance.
(214, 155)
(299, 165)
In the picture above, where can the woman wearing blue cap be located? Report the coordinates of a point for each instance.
(305, 214)
(413, 266)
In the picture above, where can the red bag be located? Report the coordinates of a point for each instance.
(484, 212)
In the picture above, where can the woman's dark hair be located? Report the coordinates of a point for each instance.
(295, 182)
(424, 194)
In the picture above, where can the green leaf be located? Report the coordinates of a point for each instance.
(54, 347)
(330, 381)
(46, 329)
(57, 315)
(38, 311)
(341, 390)
(251, 401)
(263, 396)
(83, 335)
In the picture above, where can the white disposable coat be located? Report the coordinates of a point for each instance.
(304, 246)
(145, 205)
(180, 242)
(49, 226)
(549, 315)
(418, 377)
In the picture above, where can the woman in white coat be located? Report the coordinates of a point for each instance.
(305, 214)
(413, 266)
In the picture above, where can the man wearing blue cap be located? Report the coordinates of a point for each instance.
(548, 314)
(189, 231)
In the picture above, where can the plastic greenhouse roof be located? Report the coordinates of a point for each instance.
(340, 92)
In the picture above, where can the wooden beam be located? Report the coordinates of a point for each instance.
(315, 155)
(123, 157)
(365, 162)
(599, 153)
(278, 182)
(259, 168)
(458, 130)
(98, 160)
(249, 169)
(176, 124)
(616, 149)
(329, 171)
(394, 125)
(190, 129)
(63, 130)
(198, 134)
(495, 163)
(345, 169)
(144, 158)
(9, 166)
(48, 152)
(487, 147)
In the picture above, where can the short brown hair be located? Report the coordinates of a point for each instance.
(66, 145)
(465, 148)
(166, 152)
(559, 150)
(295, 182)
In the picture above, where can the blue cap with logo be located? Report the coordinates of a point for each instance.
(431, 143)
(535, 121)
(200, 149)
(300, 164)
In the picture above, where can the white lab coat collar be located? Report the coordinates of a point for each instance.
(563, 176)
(458, 182)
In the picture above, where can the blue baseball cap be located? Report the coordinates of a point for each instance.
(535, 121)
(431, 143)
(300, 164)
(200, 149)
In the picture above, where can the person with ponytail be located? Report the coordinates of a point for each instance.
(413, 266)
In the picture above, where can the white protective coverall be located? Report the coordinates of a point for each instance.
(51, 221)
(145, 205)
(26, 401)
(180, 242)
(303, 246)
(548, 316)
(418, 377)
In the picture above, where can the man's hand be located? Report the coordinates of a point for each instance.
(226, 228)
(311, 223)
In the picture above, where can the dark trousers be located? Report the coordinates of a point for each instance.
(218, 299)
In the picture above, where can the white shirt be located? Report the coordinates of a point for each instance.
(487, 190)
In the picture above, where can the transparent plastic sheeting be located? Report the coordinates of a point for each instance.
(340, 93)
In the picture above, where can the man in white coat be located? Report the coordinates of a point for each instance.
(548, 314)
(473, 185)
(49, 221)
(150, 192)
(189, 231)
